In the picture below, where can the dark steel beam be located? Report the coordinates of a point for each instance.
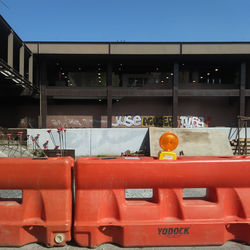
(175, 95)
(209, 92)
(109, 106)
(121, 92)
(247, 92)
(43, 97)
(242, 89)
(75, 92)
(109, 94)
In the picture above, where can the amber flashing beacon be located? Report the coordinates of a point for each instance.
(168, 142)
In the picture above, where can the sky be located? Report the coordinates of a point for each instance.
(129, 20)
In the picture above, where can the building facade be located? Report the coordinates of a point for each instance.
(121, 84)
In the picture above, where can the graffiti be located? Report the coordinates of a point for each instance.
(128, 121)
(142, 121)
(69, 121)
(161, 121)
(191, 122)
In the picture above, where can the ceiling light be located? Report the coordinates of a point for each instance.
(201, 77)
(208, 74)
(14, 80)
(5, 74)
(172, 74)
(194, 81)
(216, 69)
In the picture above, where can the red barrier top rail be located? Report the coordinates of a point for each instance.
(21, 173)
(147, 172)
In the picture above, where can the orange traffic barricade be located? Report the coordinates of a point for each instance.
(104, 214)
(44, 212)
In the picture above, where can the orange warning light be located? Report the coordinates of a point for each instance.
(168, 141)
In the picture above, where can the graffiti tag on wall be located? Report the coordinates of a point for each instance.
(127, 121)
(191, 122)
(142, 121)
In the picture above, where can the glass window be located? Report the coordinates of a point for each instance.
(130, 75)
(209, 74)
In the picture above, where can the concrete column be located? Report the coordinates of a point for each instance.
(109, 94)
(243, 89)
(10, 57)
(21, 60)
(31, 69)
(175, 95)
(43, 96)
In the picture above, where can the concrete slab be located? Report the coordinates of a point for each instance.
(114, 141)
(193, 142)
(78, 139)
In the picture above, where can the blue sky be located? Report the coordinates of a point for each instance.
(129, 20)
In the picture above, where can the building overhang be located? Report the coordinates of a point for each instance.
(140, 48)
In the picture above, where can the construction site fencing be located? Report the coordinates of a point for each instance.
(43, 213)
(104, 214)
(164, 214)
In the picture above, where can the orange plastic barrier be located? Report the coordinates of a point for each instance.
(102, 214)
(44, 214)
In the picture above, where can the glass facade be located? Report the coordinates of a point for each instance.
(89, 75)
(129, 75)
(205, 75)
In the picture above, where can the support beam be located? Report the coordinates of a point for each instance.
(21, 60)
(31, 69)
(10, 49)
(43, 97)
(242, 89)
(109, 106)
(175, 95)
(209, 92)
(109, 94)
(76, 92)
(123, 92)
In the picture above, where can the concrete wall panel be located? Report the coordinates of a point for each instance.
(216, 49)
(68, 48)
(33, 47)
(145, 49)
(111, 142)
(78, 139)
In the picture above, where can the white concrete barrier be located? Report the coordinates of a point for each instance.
(107, 142)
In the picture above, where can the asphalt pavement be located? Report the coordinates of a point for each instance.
(230, 245)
